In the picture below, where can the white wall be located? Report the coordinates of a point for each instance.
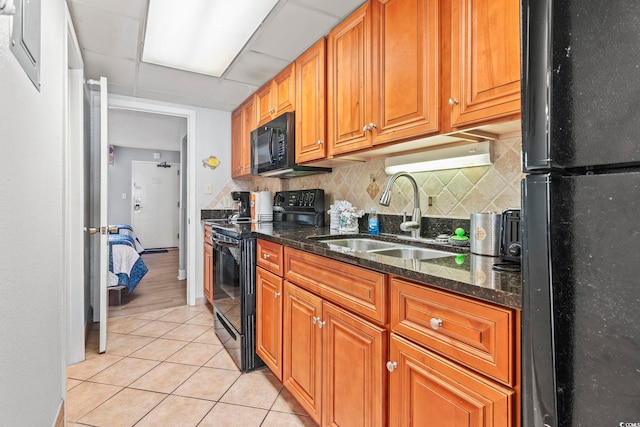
(214, 139)
(32, 341)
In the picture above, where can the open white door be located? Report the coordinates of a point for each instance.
(104, 245)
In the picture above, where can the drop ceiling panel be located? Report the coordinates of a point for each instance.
(131, 8)
(307, 25)
(339, 8)
(255, 68)
(112, 35)
(174, 98)
(229, 92)
(220, 106)
(164, 79)
(116, 70)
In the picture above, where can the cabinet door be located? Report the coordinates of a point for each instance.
(236, 142)
(354, 374)
(283, 96)
(269, 320)
(208, 272)
(349, 82)
(485, 60)
(311, 104)
(249, 124)
(302, 348)
(428, 390)
(406, 69)
(264, 110)
(242, 122)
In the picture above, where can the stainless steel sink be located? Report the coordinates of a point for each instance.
(361, 244)
(378, 247)
(413, 253)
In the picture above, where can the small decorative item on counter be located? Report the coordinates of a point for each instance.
(459, 239)
(373, 223)
(347, 216)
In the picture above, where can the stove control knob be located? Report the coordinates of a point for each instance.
(514, 249)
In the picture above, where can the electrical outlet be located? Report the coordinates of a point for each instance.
(431, 200)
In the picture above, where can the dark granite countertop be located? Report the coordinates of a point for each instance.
(451, 273)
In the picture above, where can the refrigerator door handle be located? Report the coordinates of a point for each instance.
(537, 63)
(539, 405)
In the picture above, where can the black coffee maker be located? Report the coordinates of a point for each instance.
(244, 208)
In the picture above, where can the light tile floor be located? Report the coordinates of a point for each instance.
(168, 368)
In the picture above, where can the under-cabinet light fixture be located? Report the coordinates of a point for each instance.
(201, 36)
(454, 157)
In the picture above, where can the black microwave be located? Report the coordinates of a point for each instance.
(273, 150)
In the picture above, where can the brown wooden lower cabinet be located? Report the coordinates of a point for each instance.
(333, 361)
(302, 348)
(269, 328)
(348, 364)
(428, 390)
(207, 262)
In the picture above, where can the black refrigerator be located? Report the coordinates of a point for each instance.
(581, 213)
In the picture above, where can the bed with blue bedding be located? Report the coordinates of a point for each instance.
(126, 230)
(126, 267)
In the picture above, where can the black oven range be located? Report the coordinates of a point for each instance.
(234, 269)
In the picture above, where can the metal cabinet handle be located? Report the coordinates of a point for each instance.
(276, 294)
(314, 319)
(271, 111)
(391, 366)
(320, 142)
(365, 128)
(453, 101)
(435, 323)
(321, 323)
(265, 256)
(372, 126)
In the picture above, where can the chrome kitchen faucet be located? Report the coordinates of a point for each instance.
(416, 218)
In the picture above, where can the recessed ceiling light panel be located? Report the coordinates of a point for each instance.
(202, 36)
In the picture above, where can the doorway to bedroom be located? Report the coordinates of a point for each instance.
(145, 192)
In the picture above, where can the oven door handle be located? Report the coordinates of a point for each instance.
(225, 243)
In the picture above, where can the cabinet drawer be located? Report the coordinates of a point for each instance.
(269, 256)
(475, 334)
(358, 289)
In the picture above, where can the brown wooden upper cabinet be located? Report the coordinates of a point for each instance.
(383, 74)
(311, 129)
(242, 123)
(277, 96)
(485, 61)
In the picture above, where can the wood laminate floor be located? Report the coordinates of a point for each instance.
(158, 289)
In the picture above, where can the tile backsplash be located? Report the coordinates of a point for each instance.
(454, 193)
